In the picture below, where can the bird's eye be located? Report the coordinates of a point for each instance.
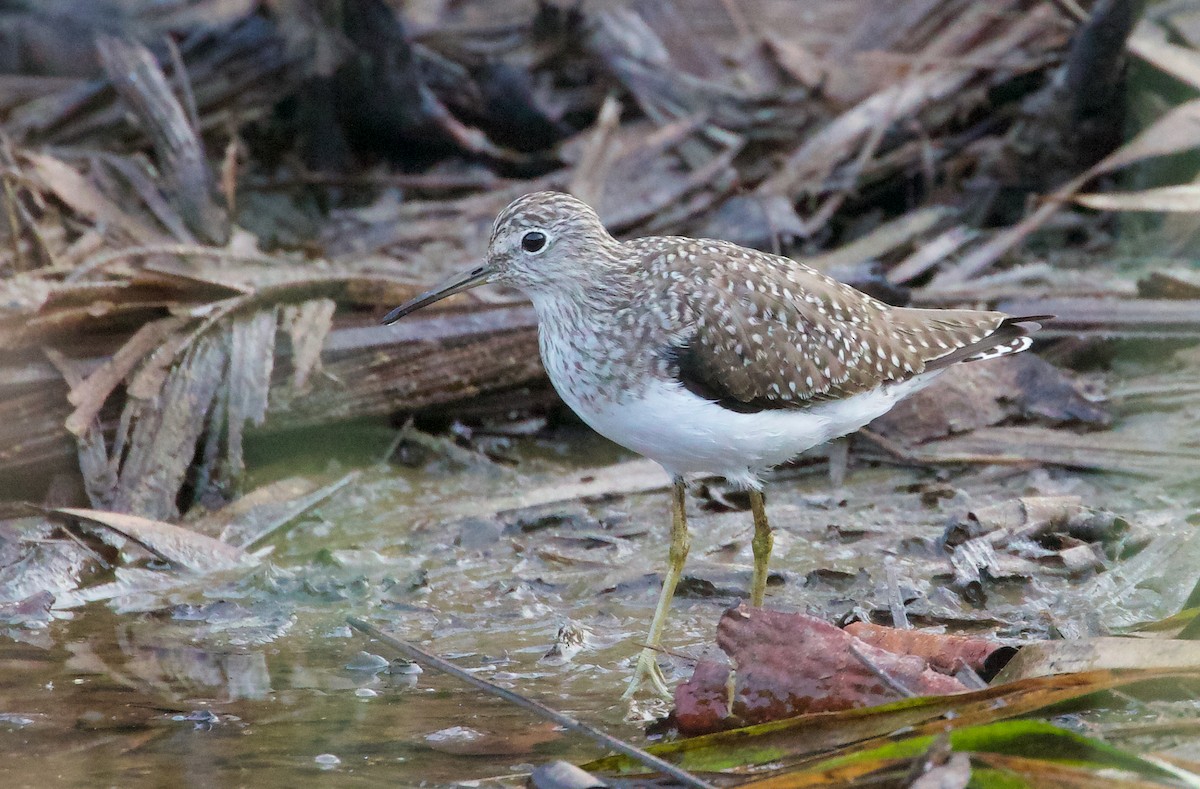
(533, 241)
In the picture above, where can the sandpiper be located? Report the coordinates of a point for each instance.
(710, 358)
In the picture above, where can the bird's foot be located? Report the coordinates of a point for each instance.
(647, 671)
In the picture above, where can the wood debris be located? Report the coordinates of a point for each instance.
(202, 220)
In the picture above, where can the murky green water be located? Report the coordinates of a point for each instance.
(246, 682)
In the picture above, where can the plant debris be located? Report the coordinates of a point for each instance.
(205, 207)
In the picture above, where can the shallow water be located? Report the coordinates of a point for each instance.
(246, 682)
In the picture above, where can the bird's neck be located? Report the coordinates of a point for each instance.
(588, 297)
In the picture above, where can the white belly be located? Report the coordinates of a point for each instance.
(690, 435)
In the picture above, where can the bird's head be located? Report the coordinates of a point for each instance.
(544, 244)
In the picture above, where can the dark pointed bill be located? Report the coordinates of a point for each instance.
(455, 284)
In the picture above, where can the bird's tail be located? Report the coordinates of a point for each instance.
(1013, 335)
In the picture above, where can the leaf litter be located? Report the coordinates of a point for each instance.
(146, 338)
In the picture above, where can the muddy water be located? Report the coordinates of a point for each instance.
(257, 681)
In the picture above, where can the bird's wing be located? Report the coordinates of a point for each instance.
(766, 332)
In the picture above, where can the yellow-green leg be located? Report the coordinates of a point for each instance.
(647, 664)
(761, 544)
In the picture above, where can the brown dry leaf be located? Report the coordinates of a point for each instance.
(789, 664)
(179, 546)
(181, 161)
(591, 484)
(216, 522)
(599, 151)
(1180, 198)
(32, 610)
(89, 396)
(148, 380)
(929, 254)
(1047, 658)
(1110, 316)
(945, 653)
(307, 325)
(177, 268)
(41, 563)
(127, 582)
(1175, 132)
(800, 62)
(70, 186)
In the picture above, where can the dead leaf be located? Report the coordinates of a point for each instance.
(182, 547)
(89, 396)
(33, 611)
(1181, 62)
(1180, 198)
(1176, 131)
(70, 186)
(944, 653)
(1107, 653)
(307, 325)
(788, 664)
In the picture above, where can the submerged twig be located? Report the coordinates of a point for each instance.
(620, 746)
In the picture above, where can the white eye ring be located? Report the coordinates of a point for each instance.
(534, 242)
